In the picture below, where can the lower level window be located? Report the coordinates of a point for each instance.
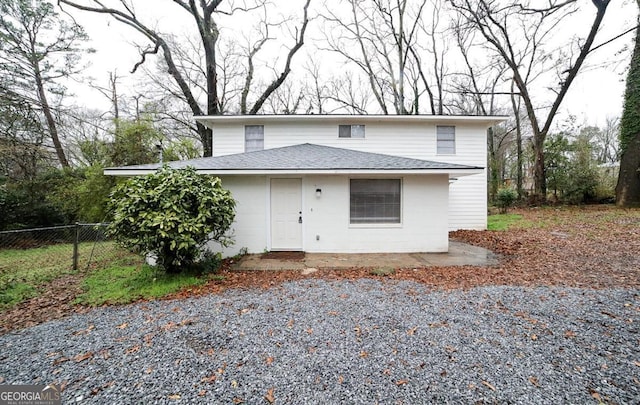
(375, 201)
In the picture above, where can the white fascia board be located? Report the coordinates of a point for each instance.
(211, 120)
(451, 172)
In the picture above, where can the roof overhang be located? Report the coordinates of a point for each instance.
(453, 173)
(482, 120)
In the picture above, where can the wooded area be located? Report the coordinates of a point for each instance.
(486, 57)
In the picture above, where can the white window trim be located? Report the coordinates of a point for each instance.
(351, 127)
(374, 225)
(454, 141)
(245, 138)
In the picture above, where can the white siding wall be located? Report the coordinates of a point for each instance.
(423, 228)
(250, 227)
(468, 195)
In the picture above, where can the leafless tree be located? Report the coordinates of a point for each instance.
(380, 38)
(607, 137)
(478, 82)
(519, 32)
(205, 15)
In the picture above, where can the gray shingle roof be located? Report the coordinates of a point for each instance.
(305, 157)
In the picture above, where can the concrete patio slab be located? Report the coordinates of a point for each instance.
(460, 254)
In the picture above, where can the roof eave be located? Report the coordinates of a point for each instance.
(452, 172)
(210, 120)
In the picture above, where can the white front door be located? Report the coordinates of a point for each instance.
(286, 214)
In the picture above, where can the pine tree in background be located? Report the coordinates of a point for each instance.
(628, 188)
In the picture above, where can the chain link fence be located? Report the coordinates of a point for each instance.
(76, 247)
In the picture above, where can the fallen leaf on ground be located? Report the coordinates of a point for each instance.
(169, 326)
(83, 357)
(412, 331)
(60, 360)
(269, 396)
(132, 349)
(534, 381)
(174, 396)
(491, 387)
(209, 379)
(401, 382)
(122, 325)
(84, 331)
(269, 360)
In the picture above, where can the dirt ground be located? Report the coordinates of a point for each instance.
(587, 247)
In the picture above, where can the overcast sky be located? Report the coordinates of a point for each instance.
(596, 94)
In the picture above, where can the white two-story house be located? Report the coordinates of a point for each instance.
(344, 183)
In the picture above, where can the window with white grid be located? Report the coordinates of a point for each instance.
(375, 201)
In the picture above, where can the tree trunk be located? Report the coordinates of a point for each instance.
(51, 122)
(519, 175)
(516, 111)
(206, 137)
(628, 187)
(539, 172)
(494, 182)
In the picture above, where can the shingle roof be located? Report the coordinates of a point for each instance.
(304, 157)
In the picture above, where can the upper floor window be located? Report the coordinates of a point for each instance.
(253, 138)
(446, 136)
(350, 131)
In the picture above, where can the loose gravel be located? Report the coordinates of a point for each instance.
(360, 342)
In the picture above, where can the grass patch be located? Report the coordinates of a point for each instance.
(24, 271)
(120, 284)
(502, 222)
(14, 293)
(383, 271)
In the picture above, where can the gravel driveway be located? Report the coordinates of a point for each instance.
(365, 341)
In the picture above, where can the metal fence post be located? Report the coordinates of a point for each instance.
(76, 240)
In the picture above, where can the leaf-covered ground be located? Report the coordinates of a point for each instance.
(588, 247)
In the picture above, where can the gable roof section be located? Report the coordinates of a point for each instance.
(304, 158)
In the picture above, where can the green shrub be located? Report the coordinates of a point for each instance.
(505, 198)
(209, 262)
(171, 214)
